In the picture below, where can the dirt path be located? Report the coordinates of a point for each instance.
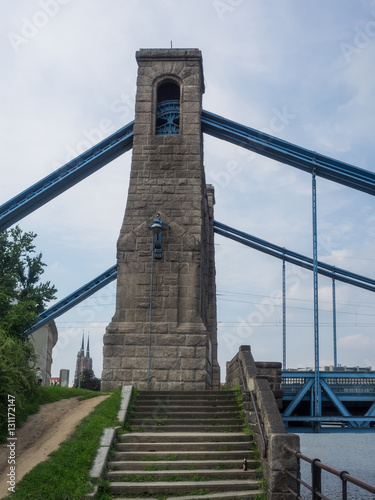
(42, 434)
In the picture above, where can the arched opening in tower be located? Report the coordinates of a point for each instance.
(168, 109)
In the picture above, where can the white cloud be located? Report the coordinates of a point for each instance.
(357, 341)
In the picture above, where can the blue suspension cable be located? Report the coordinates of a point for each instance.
(317, 405)
(334, 324)
(284, 318)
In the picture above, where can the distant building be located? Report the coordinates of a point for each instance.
(361, 369)
(84, 362)
(55, 381)
(44, 341)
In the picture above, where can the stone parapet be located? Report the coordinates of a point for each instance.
(262, 380)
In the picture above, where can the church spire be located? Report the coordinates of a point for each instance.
(81, 353)
(84, 363)
(88, 347)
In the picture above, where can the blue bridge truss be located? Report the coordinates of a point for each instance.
(315, 385)
(348, 401)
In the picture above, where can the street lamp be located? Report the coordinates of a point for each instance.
(157, 227)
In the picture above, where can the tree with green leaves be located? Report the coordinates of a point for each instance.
(17, 378)
(88, 381)
(22, 296)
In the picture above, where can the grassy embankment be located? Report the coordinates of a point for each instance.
(65, 474)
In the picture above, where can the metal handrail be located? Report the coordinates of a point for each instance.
(264, 443)
(316, 468)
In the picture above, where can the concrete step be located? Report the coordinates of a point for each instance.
(187, 446)
(230, 495)
(154, 488)
(191, 415)
(167, 410)
(185, 402)
(193, 418)
(208, 394)
(191, 401)
(181, 475)
(153, 456)
(183, 437)
(182, 464)
(166, 427)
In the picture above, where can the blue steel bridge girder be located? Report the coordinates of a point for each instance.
(335, 400)
(121, 141)
(295, 258)
(298, 398)
(369, 413)
(66, 176)
(288, 153)
(75, 298)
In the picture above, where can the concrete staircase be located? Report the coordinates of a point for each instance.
(185, 443)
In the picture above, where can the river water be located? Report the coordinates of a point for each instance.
(354, 453)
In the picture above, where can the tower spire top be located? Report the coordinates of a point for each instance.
(82, 351)
(88, 347)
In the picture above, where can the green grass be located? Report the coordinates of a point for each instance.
(221, 467)
(223, 448)
(50, 395)
(150, 458)
(152, 467)
(241, 413)
(65, 475)
(55, 393)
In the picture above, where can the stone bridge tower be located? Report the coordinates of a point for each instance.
(163, 334)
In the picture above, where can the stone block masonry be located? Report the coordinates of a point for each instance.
(263, 381)
(166, 339)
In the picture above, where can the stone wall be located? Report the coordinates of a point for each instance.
(255, 378)
(44, 340)
(271, 371)
(165, 339)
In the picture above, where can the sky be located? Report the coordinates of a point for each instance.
(301, 71)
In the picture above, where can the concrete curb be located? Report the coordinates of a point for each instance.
(108, 436)
(126, 394)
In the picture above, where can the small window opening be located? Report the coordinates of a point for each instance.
(168, 109)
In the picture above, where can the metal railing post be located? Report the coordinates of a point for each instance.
(344, 485)
(316, 479)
